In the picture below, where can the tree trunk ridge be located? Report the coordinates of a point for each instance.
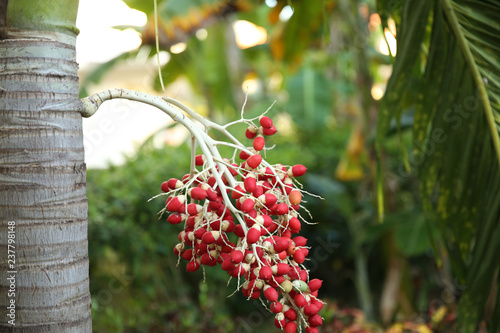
(43, 184)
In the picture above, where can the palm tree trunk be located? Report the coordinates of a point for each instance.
(43, 204)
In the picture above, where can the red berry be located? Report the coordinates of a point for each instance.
(276, 307)
(197, 193)
(300, 241)
(227, 265)
(174, 218)
(243, 155)
(199, 160)
(299, 300)
(164, 187)
(192, 266)
(280, 245)
(237, 256)
(297, 170)
(253, 235)
(258, 143)
(247, 205)
(250, 183)
(254, 161)
(290, 314)
(238, 192)
(294, 224)
(265, 122)
(175, 203)
(174, 184)
(315, 320)
(238, 231)
(312, 330)
(251, 132)
(280, 269)
(268, 199)
(210, 237)
(310, 310)
(299, 257)
(265, 273)
(193, 209)
(270, 293)
(317, 303)
(290, 327)
(315, 284)
(279, 320)
(269, 131)
(281, 209)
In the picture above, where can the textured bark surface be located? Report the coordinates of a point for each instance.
(43, 183)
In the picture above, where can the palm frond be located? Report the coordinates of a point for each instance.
(456, 132)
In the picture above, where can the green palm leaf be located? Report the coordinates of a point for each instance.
(456, 132)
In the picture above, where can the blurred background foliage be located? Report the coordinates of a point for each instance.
(326, 63)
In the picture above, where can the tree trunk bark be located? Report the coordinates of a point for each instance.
(43, 204)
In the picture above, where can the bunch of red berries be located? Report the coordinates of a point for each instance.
(259, 203)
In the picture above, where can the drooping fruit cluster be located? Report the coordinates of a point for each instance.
(245, 217)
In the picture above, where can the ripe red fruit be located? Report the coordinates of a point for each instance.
(280, 245)
(238, 231)
(247, 205)
(237, 256)
(164, 187)
(174, 218)
(243, 155)
(253, 235)
(276, 307)
(317, 302)
(299, 257)
(192, 266)
(210, 237)
(312, 330)
(269, 131)
(265, 273)
(310, 309)
(315, 284)
(251, 132)
(315, 320)
(250, 183)
(280, 269)
(238, 192)
(281, 209)
(300, 241)
(290, 314)
(268, 199)
(299, 300)
(265, 122)
(270, 293)
(193, 209)
(175, 203)
(258, 143)
(239, 271)
(294, 224)
(227, 265)
(290, 327)
(174, 184)
(199, 160)
(297, 170)
(254, 161)
(197, 193)
(279, 320)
